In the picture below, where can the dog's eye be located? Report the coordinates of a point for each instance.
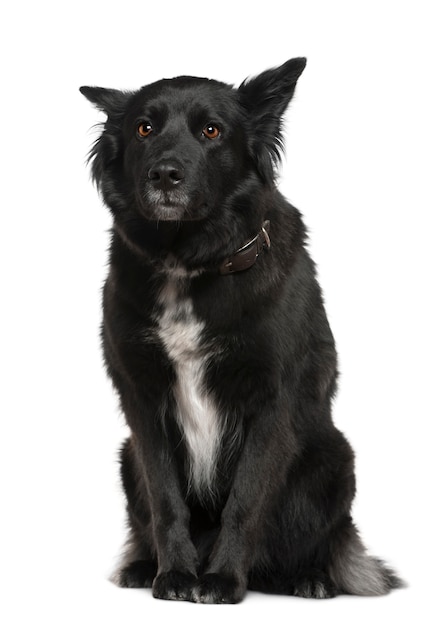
(211, 131)
(144, 129)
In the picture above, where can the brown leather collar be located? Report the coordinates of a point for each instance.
(246, 256)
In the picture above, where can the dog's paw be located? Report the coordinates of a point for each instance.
(173, 585)
(317, 586)
(217, 589)
(137, 574)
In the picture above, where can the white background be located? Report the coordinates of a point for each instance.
(365, 166)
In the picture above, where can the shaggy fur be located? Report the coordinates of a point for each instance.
(234, 473)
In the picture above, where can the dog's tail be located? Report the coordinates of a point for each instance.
(356, 572)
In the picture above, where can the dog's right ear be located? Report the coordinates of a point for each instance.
(110, 101)
(107, 146)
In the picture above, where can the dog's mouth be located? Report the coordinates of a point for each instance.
(167, 206)
(168, 212)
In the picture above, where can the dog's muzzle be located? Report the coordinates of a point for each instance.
(164, 196)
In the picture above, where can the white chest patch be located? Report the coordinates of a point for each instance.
(197, 416)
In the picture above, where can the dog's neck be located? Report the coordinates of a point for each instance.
(163, 236)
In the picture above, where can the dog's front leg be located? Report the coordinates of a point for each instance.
(260, 473)
(176, 554)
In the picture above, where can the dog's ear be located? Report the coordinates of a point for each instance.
(106, 148)
(266, 97)
(111, 101)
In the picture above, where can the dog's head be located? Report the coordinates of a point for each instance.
(178, 149)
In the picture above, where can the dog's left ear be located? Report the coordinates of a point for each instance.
(266, 97)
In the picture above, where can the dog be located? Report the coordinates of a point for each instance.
(216, 339)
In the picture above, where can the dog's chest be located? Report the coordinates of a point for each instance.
(181, 334)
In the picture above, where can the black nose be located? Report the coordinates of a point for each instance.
(166, 174)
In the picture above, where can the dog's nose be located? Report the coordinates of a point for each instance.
(166, 174)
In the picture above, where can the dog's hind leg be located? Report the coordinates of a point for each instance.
(312, 548)
(137, 574)
(306, 576)
(339, 564)
(316, 585)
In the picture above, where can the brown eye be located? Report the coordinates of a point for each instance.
(144, 129)
(211, 131)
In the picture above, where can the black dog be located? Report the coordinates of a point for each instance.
(216, 339)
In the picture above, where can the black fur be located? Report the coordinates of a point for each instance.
(186, 167)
